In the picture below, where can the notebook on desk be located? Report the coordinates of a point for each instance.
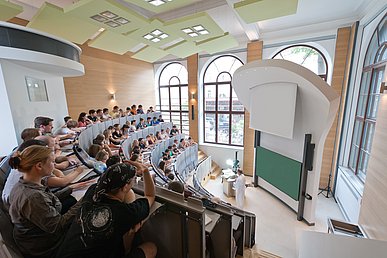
(88, 173)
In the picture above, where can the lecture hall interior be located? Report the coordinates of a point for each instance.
(293, 93)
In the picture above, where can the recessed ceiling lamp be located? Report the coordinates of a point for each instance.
(194, 31)
(156, 36)
(98, 18)
(156, 2)
(121, 20)
(112, 24)
(109, 14)
(109, 18)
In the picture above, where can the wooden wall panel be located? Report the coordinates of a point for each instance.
(373, 210)
(106, 73)
(193, 66)
(254, 52)
(340, 78)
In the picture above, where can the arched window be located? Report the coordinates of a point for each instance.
(173, 93)
(307, 56)
(368, 100)
(223, 112)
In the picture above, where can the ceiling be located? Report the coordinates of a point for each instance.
(179, 28)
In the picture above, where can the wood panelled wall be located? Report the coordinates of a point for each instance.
(193, 67)
(131, 80)
(341, 71)
(254, 52)
(373, 210)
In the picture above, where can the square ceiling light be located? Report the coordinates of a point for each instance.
(110, 18)
(109, 14)
(195, 31)
(156, 36)
(156, 2)
(121, 20)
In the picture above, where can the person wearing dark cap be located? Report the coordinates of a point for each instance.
(110, 216)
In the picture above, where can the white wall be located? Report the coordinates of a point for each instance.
(7, 130)
(24, 111)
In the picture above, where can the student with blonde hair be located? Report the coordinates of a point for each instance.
(34, 210)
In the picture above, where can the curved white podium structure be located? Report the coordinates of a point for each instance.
(287, 101)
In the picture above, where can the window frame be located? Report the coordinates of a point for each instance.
(323, 76)
(180, 112)
(373, 68)
(216, 112)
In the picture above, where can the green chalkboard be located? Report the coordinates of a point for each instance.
(280, 171)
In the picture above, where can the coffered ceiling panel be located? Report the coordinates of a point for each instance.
(113, 42)
(154, 34)
(183, 49)
(259, 10)
(150, 54)
(107, 14)
(50, 17)
(9, 10)
(195, 27)
(160, 6)
(218, 44)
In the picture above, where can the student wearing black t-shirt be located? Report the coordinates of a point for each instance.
(110, 216)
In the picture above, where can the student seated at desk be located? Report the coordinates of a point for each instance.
(61, 162)
(110, 216)
(54, 180)
(34, 210)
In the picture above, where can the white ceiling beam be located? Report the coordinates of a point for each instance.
(252, 29)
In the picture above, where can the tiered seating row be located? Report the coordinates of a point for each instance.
(87, 136)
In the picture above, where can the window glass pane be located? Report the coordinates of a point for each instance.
(305, 56)
(365, 82)
(164, 95)
(368, 135)
(175, 98)
(224, 63)
(174, 81)
(353, 157)
(383, 30)
(373, 101)
(237, 127)
(377, 80)
(357, 132)
(166, 116)
(211, 73)
(184, 98)
(223, 128)
(173, 69)
(236, 104)
(235, 66)
(209, 128)
(363, 162)
(224, 97)
(209, 97)
(372, 48)
(224, 77)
